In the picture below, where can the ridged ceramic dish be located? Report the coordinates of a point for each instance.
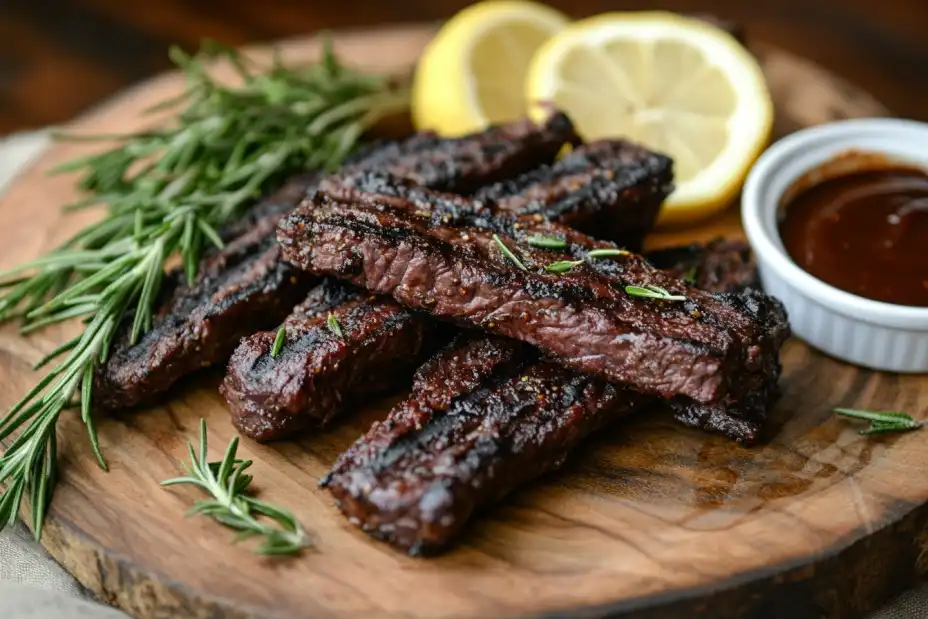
(869, 333)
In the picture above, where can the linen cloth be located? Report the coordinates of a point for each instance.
(34, 586)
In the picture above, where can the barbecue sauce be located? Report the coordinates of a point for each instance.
(865, 232)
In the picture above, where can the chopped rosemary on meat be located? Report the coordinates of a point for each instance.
(508, 252)
(166, 191)
(649, 291)
(562, 266)
(226, 482)
(546, 242)
(882, 422)
(565, 265)
(279, 340)
(605, 253)
(690, 276)
(334, 326)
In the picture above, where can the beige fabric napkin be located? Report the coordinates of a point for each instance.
(34, 586)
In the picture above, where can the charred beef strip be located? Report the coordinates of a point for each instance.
(241, 288)
(611, 189)
(463, 365)
(484, 417)
(720, 265)
(492, 279)
(245, 287)
(333, 338)
(461, 165)
(729, 266)
(634, 182)
(416, 478)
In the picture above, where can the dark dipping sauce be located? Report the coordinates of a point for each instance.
(865, 232)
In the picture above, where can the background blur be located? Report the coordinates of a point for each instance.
(57, 57)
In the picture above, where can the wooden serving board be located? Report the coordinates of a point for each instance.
(648, 519)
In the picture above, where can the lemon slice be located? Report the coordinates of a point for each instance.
(672, 83)
(473, 72)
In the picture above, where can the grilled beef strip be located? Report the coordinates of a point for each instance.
(241, 288)
(415, 479)
(728, 266)
(322, 362)
(721, 265)
(246, 287)
(266, 398)
(708, 348)
(611, 189)
(461, 165)
(484, 417)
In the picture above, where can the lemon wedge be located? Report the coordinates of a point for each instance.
(472, 73)
(672, 83)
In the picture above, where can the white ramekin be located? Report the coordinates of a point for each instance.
(861, 331)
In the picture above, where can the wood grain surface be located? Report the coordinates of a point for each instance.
(647, 519)
(57, 57)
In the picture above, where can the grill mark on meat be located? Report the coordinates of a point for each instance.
(612, 189)
(719, 265)
(243, 287)
(463, 365)
(583, 317)
(305, 384)
(456, 446)
(246, 287)
(416, 478)
(462, 165)
(254, 396)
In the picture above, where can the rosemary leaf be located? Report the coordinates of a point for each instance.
(334, 325)
(690, 276)
(279, 340)
(882, 422)
(605, 253)
(546, 242)
(649, 291)
(508, 253)
(562, 266)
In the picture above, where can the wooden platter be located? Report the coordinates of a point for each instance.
(648, 519)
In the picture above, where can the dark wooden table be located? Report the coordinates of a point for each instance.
(57, 57)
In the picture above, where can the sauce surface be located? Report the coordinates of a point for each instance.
(865, 232)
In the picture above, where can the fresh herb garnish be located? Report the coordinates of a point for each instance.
(605, 253)
(562, 266)
(546, 242)
(690, 276)
(508, 252)
(882, 422)
(167, 191)
(565, 265)
(649, 291)
(227, 482)
(279, 340)
(334, 326)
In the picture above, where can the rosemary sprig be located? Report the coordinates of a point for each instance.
(227, 482)
(606, 253)
(279, 340)
(166, 193)
(334, 325)
(882, 422)
(546, 242)
(649, 291)
(508, 252)
(563, 266)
